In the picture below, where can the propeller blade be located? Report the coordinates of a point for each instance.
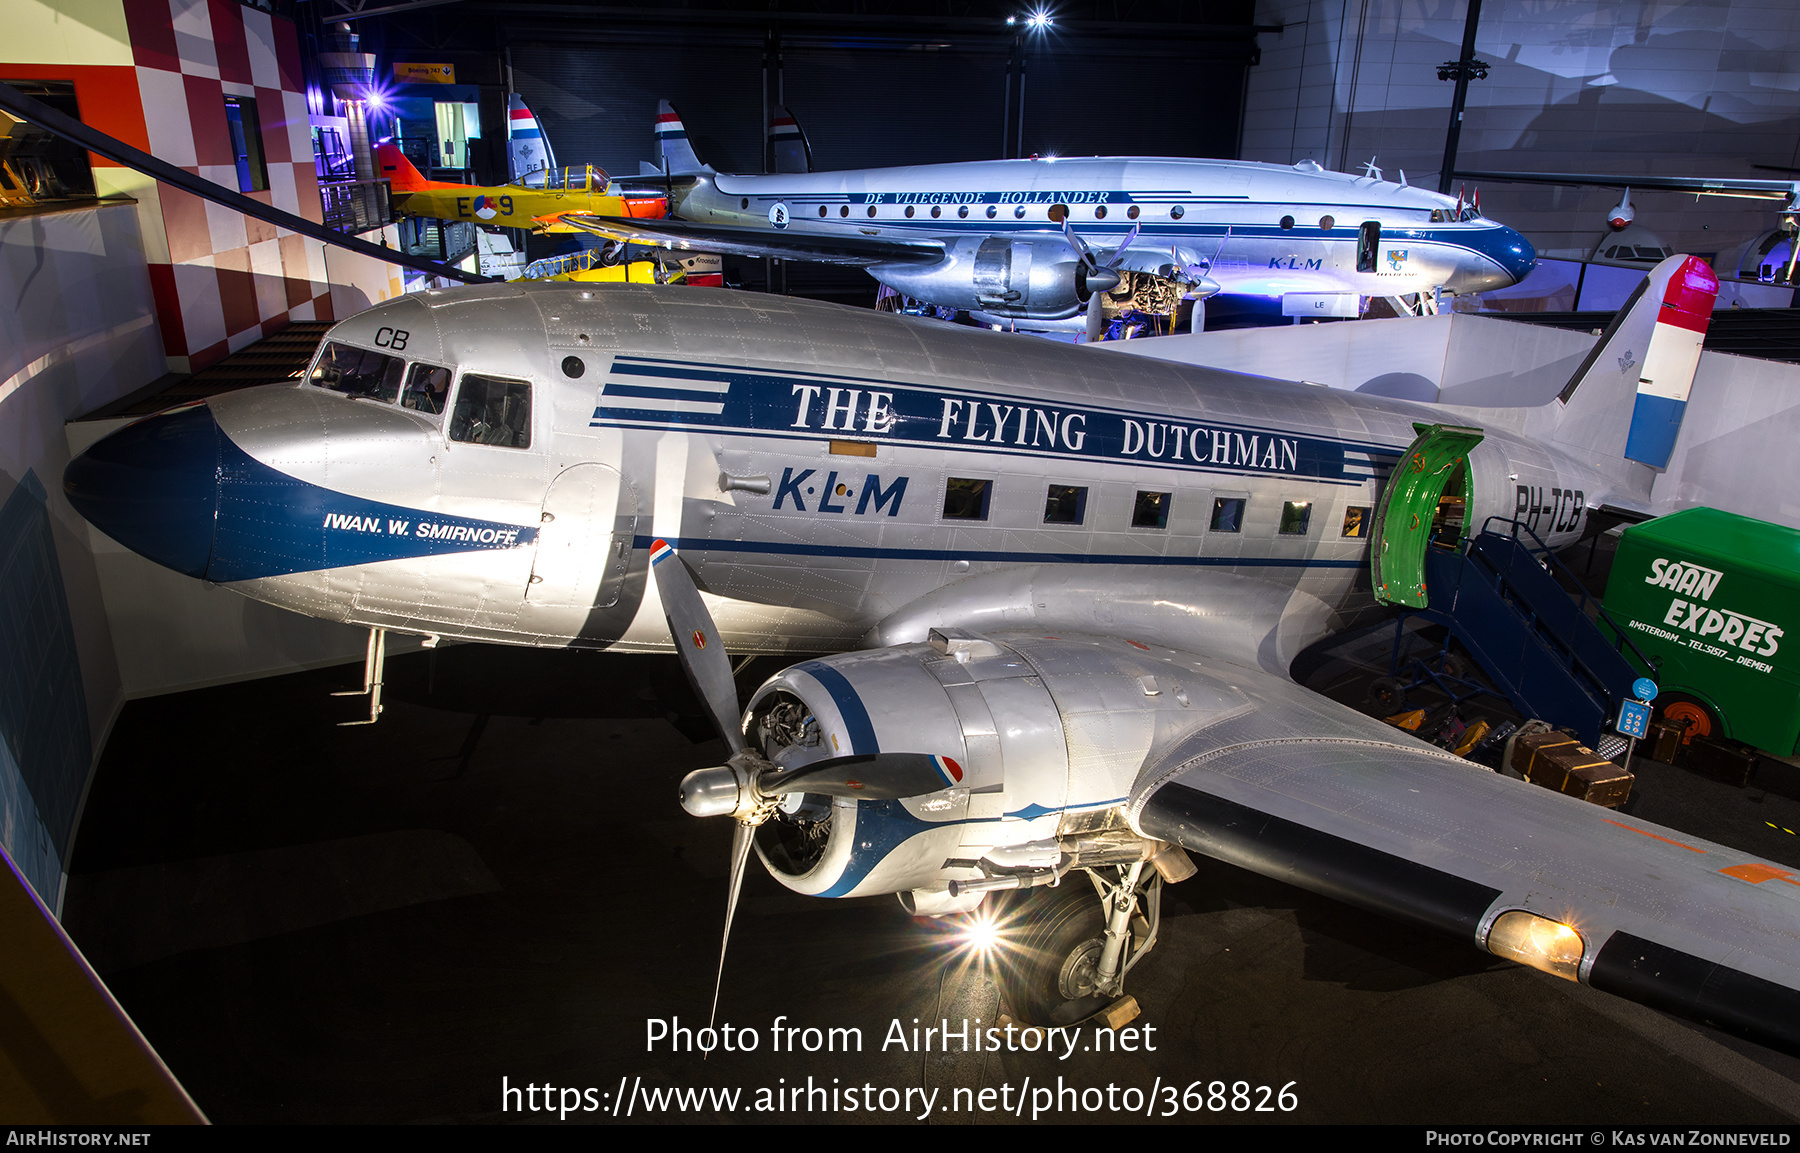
(1096, 319)
(741, 838)
(1119, 252)
(697, 640)
(1078, 244)
(869, 777)
(1219, 251)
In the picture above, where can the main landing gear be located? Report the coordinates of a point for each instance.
(1074, 951)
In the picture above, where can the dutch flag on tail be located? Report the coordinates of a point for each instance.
(527, 148)
(1685, 297)
(673, 151)
(787, 144)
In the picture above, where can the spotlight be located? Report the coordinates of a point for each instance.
(980, 933)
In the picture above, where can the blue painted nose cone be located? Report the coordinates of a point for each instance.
(1521, 257)
(153, 486)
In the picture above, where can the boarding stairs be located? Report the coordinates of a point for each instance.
(1555, 657)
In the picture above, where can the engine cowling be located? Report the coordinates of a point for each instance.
(1043, 279)
(1049, 733)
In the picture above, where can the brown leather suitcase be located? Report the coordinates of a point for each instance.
(1568, 766)
(1530, 749)
(1725, 761)
(1665, 739)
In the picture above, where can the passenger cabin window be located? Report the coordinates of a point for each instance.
(491, 410)
(1356, 521)
(1151, 510)
(1228, 514)
(359, 372)
(1065, 504)
(1295, 516)
(966, 499)
(427, 387)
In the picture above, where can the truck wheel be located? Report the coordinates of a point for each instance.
(1702, 721)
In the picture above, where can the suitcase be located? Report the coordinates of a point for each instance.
(1558, 761)
(1665, 739)
(1722, 760)
(1530, 748)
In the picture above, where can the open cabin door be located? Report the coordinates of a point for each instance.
(1427, 501)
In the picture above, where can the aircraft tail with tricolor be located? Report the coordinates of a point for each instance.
(788, 149)
(673, 151)
(1642, 365)
(527, 148)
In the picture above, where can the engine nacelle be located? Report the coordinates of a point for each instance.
(1044, 279)
(1050, 734)
(1622, 213)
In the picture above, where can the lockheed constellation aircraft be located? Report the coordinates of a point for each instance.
(1033, 240)
(1065, 589)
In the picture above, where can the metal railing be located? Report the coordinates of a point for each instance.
(1588, 605)
(443, 240)
(355, 205)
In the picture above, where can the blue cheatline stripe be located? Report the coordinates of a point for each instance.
(702, 370)
(856, 718)
(1655, 423)
(620, 388)
(621, 367)
(868, 552)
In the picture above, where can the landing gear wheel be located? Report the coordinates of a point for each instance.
(1054, 983)
(1387, 694)
(1453, 666)
(1702, 721)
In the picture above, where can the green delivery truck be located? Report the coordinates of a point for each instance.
(1716, 598)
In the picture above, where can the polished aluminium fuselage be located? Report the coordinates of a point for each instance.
(1222, 215)
(798, 456)
(1104, 689)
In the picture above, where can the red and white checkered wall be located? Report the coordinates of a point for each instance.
(223, 280)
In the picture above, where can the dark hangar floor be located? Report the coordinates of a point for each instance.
(379, 924)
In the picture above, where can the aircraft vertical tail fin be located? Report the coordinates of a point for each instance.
(1628, 397)
(672, 146)
(527, 148)
(398, 171)
(787, 143)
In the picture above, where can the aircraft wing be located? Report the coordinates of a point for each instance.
(852, 249)
(1298, 788)
(1783, 190)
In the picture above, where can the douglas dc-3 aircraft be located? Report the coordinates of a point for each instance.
(1033, 240)
(1065, 588)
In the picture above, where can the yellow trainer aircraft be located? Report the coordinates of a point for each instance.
(586, 190)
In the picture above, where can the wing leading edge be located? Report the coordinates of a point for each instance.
(1347, 811)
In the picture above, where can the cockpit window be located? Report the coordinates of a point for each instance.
(359, 372)
(491, 410)
(427, 387)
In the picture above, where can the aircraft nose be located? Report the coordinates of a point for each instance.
(153, 486)
(1520, 257)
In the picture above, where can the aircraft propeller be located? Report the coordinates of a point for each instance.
(748, 787)
(1097, 277)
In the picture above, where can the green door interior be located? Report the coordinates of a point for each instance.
(1424, 504)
